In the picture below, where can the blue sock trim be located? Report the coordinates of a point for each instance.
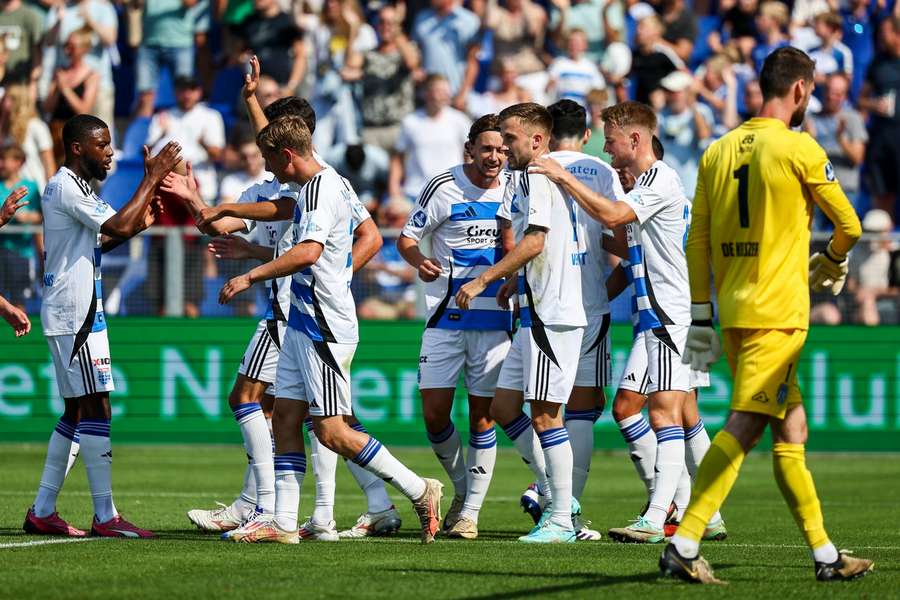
(291, 461)
(308, 424)
(581, 415)
(67, 429)
(443, 436)
(368, 452)
(667, 434)
(98, 427)
(483, 440)
(636, 430)
(358, 427)
(242, 412)
(689, 433)
(515, 428)
(553, 437)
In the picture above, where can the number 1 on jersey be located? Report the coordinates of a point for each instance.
(743, 177)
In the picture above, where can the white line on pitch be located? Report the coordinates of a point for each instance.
(48, 542)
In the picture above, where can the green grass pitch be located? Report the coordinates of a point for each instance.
(154, 486)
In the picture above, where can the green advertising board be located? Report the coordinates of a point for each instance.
(173, 377)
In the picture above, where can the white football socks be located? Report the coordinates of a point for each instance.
(258, 443)
(59, 450)
(558, 456)
(480, 465)
(324, 466)
(375, 458)
(377, 499)
(669, 466)
(682, 494)
(448, 449)
(96, 452)
(641, 447)
(522, 435)
(580, 425)
(245, 504)
(696, 443)
(290, 468)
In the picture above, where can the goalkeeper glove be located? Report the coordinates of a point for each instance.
(828, 270)
(703, 347)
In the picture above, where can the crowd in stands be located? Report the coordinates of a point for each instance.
(395, 86)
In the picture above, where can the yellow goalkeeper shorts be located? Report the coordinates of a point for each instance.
(764, 367)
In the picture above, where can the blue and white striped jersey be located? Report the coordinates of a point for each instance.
(656, 248)
(73, 215)
(276, 235)
(461, 219)
(322, 305)
(837, 59)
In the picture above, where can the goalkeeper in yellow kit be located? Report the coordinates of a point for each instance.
(750, 222)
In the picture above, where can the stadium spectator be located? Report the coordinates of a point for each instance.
(19, 252)
(680, 27)
(431, 139)
(252, 171)
(597, 100)
(197, 128)
(771, 25)
(753, 100)
(519, 35)
(717, 87)
(506, 91)
(879, 99)
(651, 61)
(832, 56)
(73, 90)
(99, 17)
(366, 167)
(167, 41)
(603, 21)
(860, 24)
(390, 277)
(267, 91)
(684, 128)
(385, 75)
(21, 29)
(274, 37)
(19, 123)
(446, 34)
(870, 266)
(841, 131)
(738, 21)
(572, 76)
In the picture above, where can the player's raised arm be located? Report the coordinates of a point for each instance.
(248, 92)
(280, 209)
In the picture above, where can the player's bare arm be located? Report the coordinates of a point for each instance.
(248, 92)
(429, 268)
(12, 203)
(301, 256)
(16, 317)
(367, 243)
(281, 209)
(131, 219)
(531, 245)
(610, 213)
(616, 283)
(237, 248)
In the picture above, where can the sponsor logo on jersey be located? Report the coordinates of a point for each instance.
(101, 207)
(49, 279)
(418, 219)
(829, 171)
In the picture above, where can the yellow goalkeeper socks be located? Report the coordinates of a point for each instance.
(799, 491)
(714, 480)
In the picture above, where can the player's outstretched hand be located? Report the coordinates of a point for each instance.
(506, 291)
(12, 203)
(251, 79)
(154, 210)
(234, 287)
(469, 292)
(230, 246)
(544, 165)
(209, 215)
(828, 271)
(183, 187)
(429, 270)
(157, 167)
(16, 317)
(703, 347)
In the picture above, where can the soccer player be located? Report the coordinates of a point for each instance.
(543, 360)
(12, 314)
(655, 213)
(751, 218)
(458, 210)
(313, 373)
(78, 228)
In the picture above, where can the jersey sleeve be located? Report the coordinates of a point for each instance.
(817, 175)
(248, 196)
(320, 214)
(88, 209)
(697, 250)
(425, 219)
(358, 212)
(505, 209)
(540, 201)
(646, 201)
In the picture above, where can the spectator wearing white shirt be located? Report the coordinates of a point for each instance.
(198, 128)
(572, 76)
(253, 171)
(684, 128)
(832, 56)
(431, 139)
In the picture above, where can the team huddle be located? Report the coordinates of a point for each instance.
(528, 240)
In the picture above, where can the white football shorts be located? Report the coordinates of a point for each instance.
(542, 362)
(317, 373)
(446, 352)
(594, 368)
(260, 360)
(652, 359)
(82, 364)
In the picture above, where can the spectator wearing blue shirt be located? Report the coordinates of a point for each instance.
(446, 33)
(860, 23)
(832, 56)
(771, 25)
(684, 128)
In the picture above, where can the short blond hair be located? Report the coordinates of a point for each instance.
(630, 114)
(285, 132)
(777, 11)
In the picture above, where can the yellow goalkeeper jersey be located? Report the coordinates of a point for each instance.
(751, 222)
